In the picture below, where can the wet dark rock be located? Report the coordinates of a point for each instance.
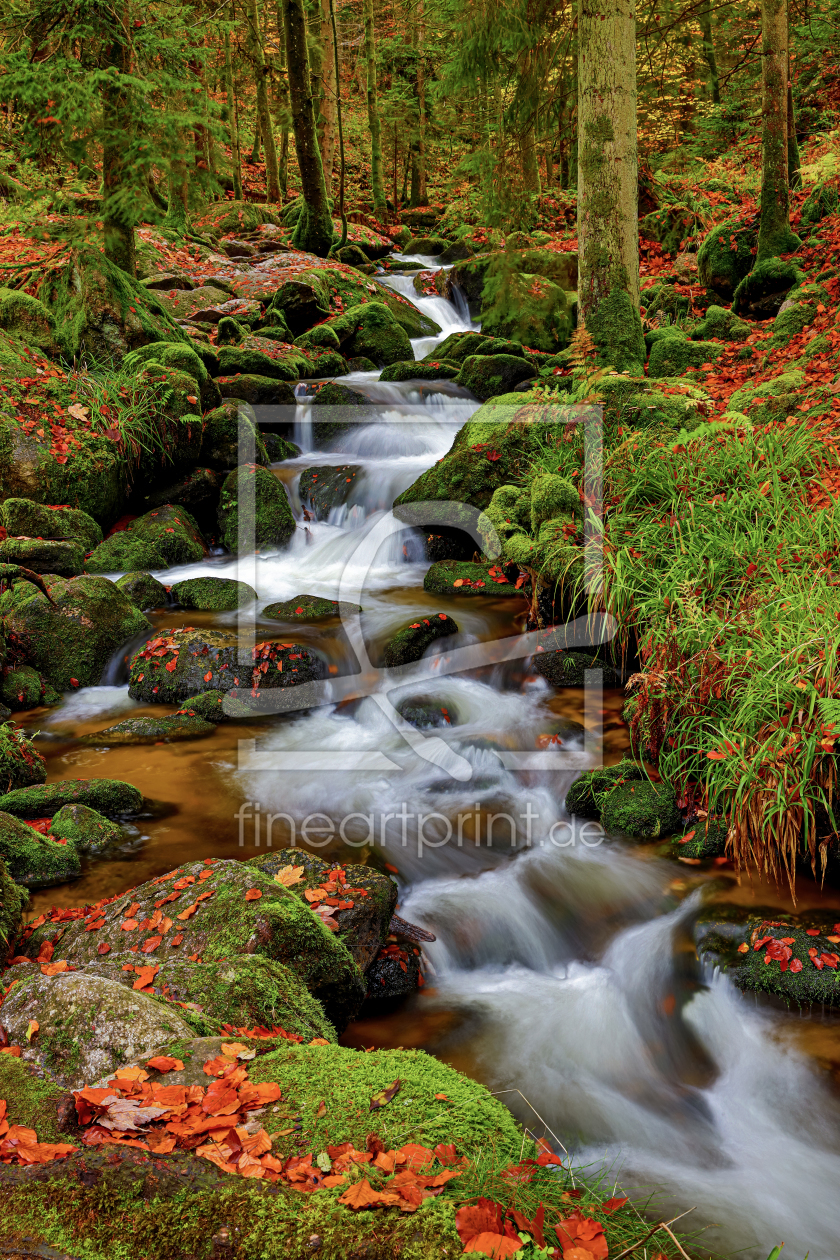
(309, 608)
(464, 577)
(322, 487)
(428, 245)
(151, 730)
(166, 536)
(412, 641)
(567, 668)
(279, 448)
(795, 958)
(198, 492)
(394, 973)
(302, 304)
(761, 293)
(173, 667)
(425, 714)
(143, 590)
(254, 510)
(212, 594)
(705, 838)
(111, 797)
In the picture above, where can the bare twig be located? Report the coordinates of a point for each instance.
(662, 1225)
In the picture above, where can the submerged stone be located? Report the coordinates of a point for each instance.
(309, 608)
(151, 730)
(412, 641)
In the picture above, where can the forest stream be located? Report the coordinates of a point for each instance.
(564, 974)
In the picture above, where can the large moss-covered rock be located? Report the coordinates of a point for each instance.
(727, 255)
(143, 590)
(28, 320)
(302, 302)
(586, 796)
(198, 491)
(33, 1100)
(166, 536)
(642, 809)
(460, 345)
(101, 312)
(322, 335)
(151, 730)
(761, 293)
(111, 797)
(212, 594)
(223, 217)
(254, 511)
(463, 577)
(44, 555)
(87, 1026)
(243, 991)
(173, 667)
(87, 830)
(323, 488)
(798, 310)
(257, 359)
(369, 897)
(71, 639)
(771, 400)
(487, 376)
(433, 371)
(722, 324)
(24, 518)
(223, 921)
(309, 608)
(412, 641)
(24, 688)
(13, 901)
(821, 201)
(705, 839)
(256, 391)
(568, 668)
(672, 356)
(527, 308)
(372, 331)
(179, 357)
(34, 860)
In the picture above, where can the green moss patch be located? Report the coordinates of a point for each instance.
(111, 797)
(463, 577)
(212, 594)
(166, 536)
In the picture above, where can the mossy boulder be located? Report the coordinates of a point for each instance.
(551, 497)
(794, 958)
(458, 346)
(434, 371)
(225, 922)
(111, 797)
(616, 327)
(44, 555)
(309, 608)
(463, 577)
(568, 668)
(229, 331)
(151, 730)
(176, 357)
(665, 299)
(302, 302)
(71, 639)
(24, 518)
(587, 794)
(28, 320)
(102, 313)
(798, 310)
(394, 973)
(208, 705)
(822, 201)
(197, 491)
(143, 590)
(256, 390)
(87, 830)
(528, 309)
(642, 809)
(372, 331)
(727, 255)
(13, 902)
(322, 335)
(412, 641)
(24, 688)
(761, 293)
(487, 376)
(34, 1100)
(212, 594)
(673, 356)
(243, 991)
(706, 838)
(430, 246)
(254, 511)
(323, 488)
(33, 860)
(166, 536)
(88, 1026)
(722, 324)
(370, 897)
(279, 448)
(256, 360)
(771, 400)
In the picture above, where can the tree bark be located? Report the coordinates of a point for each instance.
(314, 230)
(263, 112)
(117, 224)
(774, 234)
(377, 186)
(794, 179)
(709, 53)
(339, 115)
(326, 113)
(255, 148)
(283, 108)
(419, 194)
(608, 229)
(176, 214)
(233, 123)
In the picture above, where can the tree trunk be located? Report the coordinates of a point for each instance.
(117, 224)
(419, 195)
(255, 148)
(377, 186)
(283, 108)
(608, 229)
(326, 115)
(314, 230)
(263, 113)
(794, 179)
(339, 115)
(233, 123)
(709, 53)
(774, 234)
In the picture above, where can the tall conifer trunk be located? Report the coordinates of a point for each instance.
(608, 228)
(233, 123)
(314, 230)
(326, 113)
(774, 234)
(377, 186)
(263, 113)
(118, 229)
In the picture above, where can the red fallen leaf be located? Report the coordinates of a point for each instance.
(384, 1096)
(128, 925)
(493, 456)
(189, 912)
(796, 965)
(612, 1205)
(578, 1230)
(145, 976)
(104, 948)
(54, 969)
(473, 1219)
(253, 894)
(46, 952)
(151, 944)
(417, 1157)
(176, 940)
(165, 1063)
(363, 1195)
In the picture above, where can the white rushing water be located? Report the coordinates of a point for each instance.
(560, 955)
